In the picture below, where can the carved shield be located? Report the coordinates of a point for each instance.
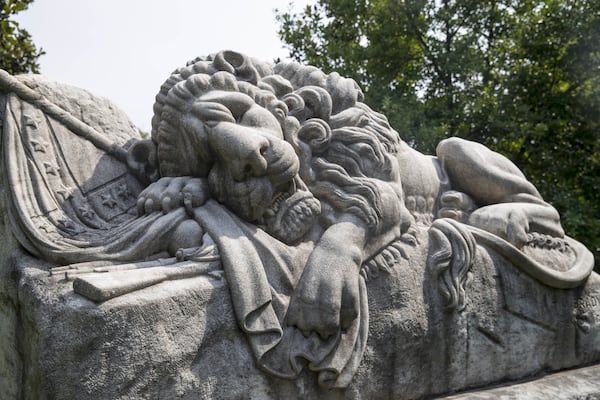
(65, 192)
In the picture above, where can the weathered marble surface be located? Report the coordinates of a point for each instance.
(353, 265)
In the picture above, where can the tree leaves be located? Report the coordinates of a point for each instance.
(18, 53)
(521, 76)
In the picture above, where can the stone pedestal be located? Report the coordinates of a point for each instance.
(179, 339)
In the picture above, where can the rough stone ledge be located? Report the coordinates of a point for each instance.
(179, 339)
(577, 384)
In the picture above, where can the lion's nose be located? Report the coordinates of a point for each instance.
(251, 161)
(247, 156)
(243, 150)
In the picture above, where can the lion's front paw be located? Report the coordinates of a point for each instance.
(169, 193)
(325, 301)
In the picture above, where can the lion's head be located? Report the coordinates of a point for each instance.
(278, 143)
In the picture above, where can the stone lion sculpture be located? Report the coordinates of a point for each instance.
(306, 193)
(296, 152)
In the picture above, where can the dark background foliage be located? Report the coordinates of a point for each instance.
(521, 76)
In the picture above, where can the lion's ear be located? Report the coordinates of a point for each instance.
(142, 161)
(238, 64)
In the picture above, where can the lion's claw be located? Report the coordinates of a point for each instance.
(169, 193)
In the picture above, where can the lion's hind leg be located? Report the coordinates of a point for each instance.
(504, 201)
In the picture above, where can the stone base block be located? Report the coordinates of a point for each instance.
(179, 340)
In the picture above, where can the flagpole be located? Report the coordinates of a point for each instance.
(10, 84)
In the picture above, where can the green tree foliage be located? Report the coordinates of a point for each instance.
(521, 76)
(18, 53)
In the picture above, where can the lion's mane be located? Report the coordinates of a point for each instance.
(346, 150)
